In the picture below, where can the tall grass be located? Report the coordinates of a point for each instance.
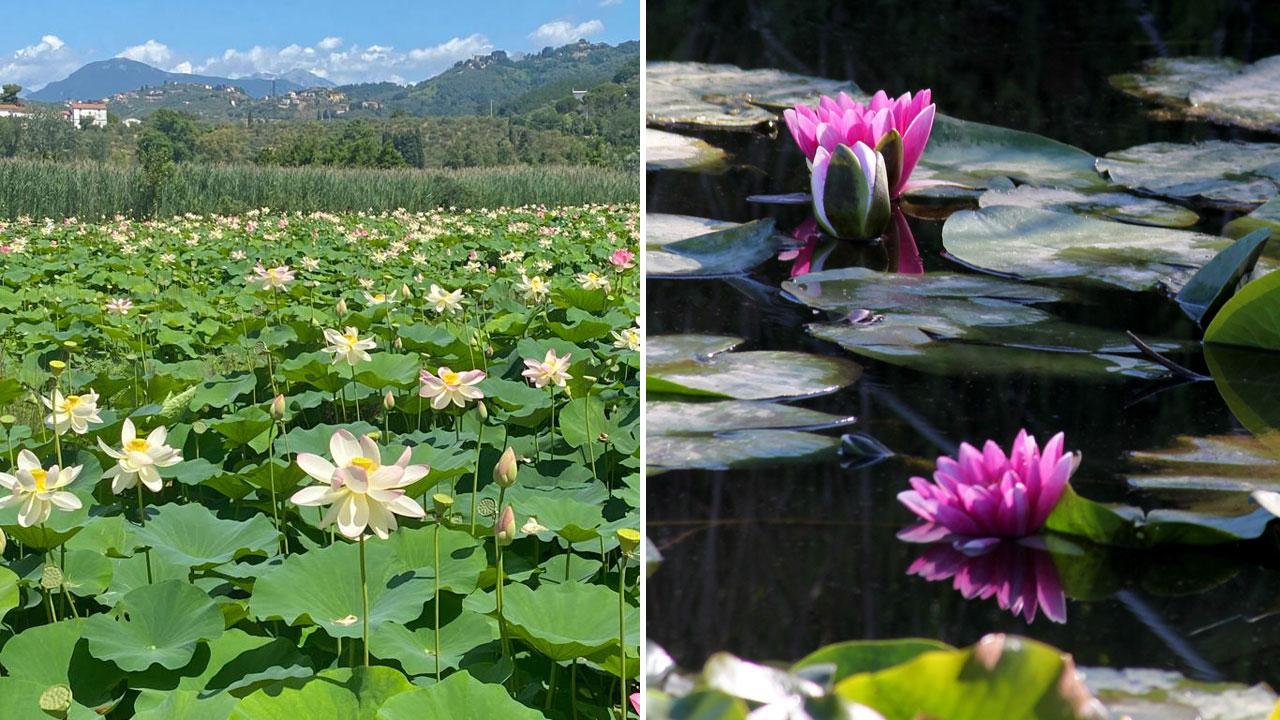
(56, 190)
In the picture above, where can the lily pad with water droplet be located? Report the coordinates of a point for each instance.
(1110, 205)
(726, 97)
(755, 375)
(1217, 173)
(686, 246)
(669, 151)
(1043, 245)
(1220, 90)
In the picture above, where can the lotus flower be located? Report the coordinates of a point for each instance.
(1023, 579)
(850, 189)
(898, 128)
(37, 490)
(984, 495)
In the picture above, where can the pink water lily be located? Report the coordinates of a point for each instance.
(986, 494)
(1022, 578)
(843, 121)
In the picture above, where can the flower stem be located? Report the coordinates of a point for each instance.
(364, 603)
(475, 480)
(622, 634)
(271, 474)
(502, 623)
(437, 599)
(355, 400)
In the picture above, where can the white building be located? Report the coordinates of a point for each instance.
(96, 112)
(14, 111)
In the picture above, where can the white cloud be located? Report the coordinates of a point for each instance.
(563, 32)
(354, 63)
(610, 3)
(36, 65)
(150, 52)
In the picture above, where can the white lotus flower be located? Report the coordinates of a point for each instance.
(276, 278)
(628, 338)
(119, 306)
(456, 387)
(378, 298)
(138, 459)
(534, 288)
(593, 281)
(362, 492)
(71, 411)
(444, 301)
(348, 346)
(38, 490)
(551, 370)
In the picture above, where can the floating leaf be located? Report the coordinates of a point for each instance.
(863, 656)
(1211, 286)
(1110, 205)
(668, 151)
(739, 449)
(1230, 175)
(757, 375)
(1148, 694)
(1218, 89)
(695, 418)
(680, 245)
(1239, 463)
(1249, 382)
(1043, 245)
(1132, 527)
(726, 97)
(1266, 215)
(161, 625)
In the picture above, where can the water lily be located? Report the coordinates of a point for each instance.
(73, 412)
(37, 490)
(850, 190)
(349, 346)
(1022, 578)
(119, 306)
(276, 278)
(449, 386)
(138, 459)
(534, 288)
(360, 490)
(443, 301)
(984, 495)
(551, 370)
(907, 121)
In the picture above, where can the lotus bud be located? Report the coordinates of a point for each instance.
(57, 366)
(342, 307)
(398, 344)
(404, 291)
(3, 541)
(628, 540)
(277, 407)
(504, 473)
(483, 410)
(389, 401)
(504, 531)
(850, 188)
(443, 504)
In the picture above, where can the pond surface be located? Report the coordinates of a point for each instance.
(775, 562)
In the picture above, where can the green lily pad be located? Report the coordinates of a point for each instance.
(350, 694)
(322, 587)
(1125, 526)
(756, 375)
(193, 536)
(698, 418)
(56, 654)
(669, 151)
(1148, 694)
(739, 449)
(1219, 90)
(1249, 382)
(459, 695)
(1109, 205)
(681, 245)
(863, 656)
(1210, 288)
(184, 704)
(567, 620)
(1231, 175)
(1266, 215)
(462, 557)
(1043, 245)
(161, 625)
(972, 154)
(1239, 463)
(415, 649)
(1000, 676)
(10, 595)
(687, 347)
(726, 97)
(1249, 318)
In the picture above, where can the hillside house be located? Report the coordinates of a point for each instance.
(14, 111)
(94, 113)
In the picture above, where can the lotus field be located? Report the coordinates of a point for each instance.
(301, 466)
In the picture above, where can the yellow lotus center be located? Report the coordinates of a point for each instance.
(450, 377)
(364, 463)
(70, 401)
(136, 445)
(40, 475)
(352, 338)
(273, 273)
(379, 297)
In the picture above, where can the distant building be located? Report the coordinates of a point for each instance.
(95, 112)
(14, 111)
(580, 95)
(132, 122)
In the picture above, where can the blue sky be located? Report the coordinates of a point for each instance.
(343, 40)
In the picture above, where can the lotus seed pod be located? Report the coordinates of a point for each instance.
(504, 473)
(51, 577)
(342, 307)
(628, 540)
(7, 419)
(56, 699)
(57, 366)
(443, 504)
(70, 344)
(389, 401)
(277, 407)
(505, 530)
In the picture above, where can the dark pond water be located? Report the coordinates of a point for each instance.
(773, 563)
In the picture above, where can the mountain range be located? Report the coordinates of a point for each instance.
(104, 78)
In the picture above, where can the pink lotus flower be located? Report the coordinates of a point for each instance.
(842, 121)
(1022, 579)
(985, 494)
(622, 259)
(801, 257)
